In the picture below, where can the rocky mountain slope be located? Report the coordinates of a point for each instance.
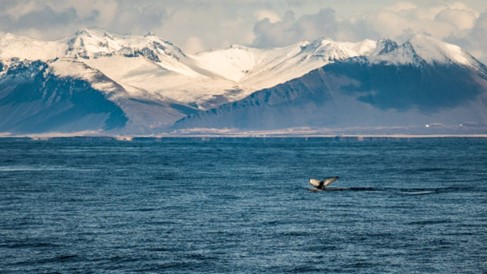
(151, 80)
(422, 85)
(128, 84)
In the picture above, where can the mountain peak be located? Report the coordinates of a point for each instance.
(299, 84)
(331, 50)
(435, 51)
(419, 49)
(93, 32)
(95, 42)
(385, 46)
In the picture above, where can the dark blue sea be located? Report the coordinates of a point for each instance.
(211, 205)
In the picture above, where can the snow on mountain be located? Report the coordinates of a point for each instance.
(232, 63)
(75, 69)
(420, 82)
(148, 67)
(95, 43)
(421, 48)
(356, 97)
(309, 56)
(89, 43)
(155, 83)
(14, 46)
(255, 69)
(33, 99)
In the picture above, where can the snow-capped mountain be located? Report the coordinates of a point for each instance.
(146, 84)
(408, 86)
(255, 69)
(149, 67)
(33, 99)
(155, 83)
(421, 49)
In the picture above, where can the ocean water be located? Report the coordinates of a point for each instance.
(97, 205)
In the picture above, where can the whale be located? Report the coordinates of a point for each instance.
(322, 184)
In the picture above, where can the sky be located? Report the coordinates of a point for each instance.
(196, 25)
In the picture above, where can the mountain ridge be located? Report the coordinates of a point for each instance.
(155, 83)
(392, 88)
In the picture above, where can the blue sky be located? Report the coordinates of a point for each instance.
(198, 25)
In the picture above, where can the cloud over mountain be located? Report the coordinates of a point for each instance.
(197, 25)
(456, 22)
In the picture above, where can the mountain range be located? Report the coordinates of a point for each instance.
(127, 84)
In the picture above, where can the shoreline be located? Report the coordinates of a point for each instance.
(243, 136)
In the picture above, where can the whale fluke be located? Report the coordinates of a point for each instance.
(323, 183)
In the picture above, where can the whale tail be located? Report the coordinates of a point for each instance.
(323, 183)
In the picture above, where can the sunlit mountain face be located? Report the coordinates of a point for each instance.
(111, 83)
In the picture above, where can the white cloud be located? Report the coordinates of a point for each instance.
(209, 23)
(289, 30)
(272, 16)
(19, 9)
(401, 6)
(475, 39)
(462, 19)
(198, 24)
(456, 22)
